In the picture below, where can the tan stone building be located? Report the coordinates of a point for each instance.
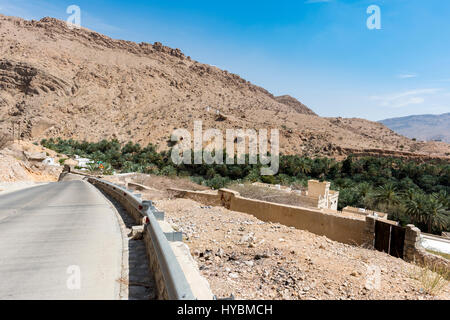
(320, 194)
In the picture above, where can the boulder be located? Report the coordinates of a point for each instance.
(35, 156)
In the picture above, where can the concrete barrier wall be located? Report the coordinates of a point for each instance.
(151, 255)
(155, 265)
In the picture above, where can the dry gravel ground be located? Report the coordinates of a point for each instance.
(251, 259)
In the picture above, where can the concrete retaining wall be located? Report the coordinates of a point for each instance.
(153, 255)
(342, 229)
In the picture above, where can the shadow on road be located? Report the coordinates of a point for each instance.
(137, 283)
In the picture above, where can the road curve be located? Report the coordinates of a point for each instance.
(50, 234)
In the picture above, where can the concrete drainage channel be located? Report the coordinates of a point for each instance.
(172, 267)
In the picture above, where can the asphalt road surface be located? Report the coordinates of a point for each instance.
(59, 241)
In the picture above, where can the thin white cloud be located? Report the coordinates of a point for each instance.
(406, 98)
(407, 76)
(98, 25)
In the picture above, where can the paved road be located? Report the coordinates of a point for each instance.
(50, 233)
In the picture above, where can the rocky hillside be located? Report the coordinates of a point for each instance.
(22, 161)
(83, 85)
(422, 127)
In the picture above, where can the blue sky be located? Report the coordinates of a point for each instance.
(319, 51)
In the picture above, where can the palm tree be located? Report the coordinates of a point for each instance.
(428, 210)
(416, 207)
(364, 192)
(387, 195)
(409, 194)
(107, 169)
(358, 166)
(437, 215)
(364, 189)
(302, 166)
(443, 198)
(92, 166)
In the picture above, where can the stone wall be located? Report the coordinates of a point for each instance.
(414, 252)
(318, 194)
(342, 229)
(369, 232)
(365, 213)
(207, 198)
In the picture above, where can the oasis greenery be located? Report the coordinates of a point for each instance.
(409, 191)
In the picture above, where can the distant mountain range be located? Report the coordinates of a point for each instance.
(422, 127)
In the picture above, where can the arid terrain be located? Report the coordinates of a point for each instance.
(21, 161)
(58, 82)
(243, 256)
(251, 259)
(78, 84)
(422, 127)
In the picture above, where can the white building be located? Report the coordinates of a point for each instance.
(50, 161)
(82, 162)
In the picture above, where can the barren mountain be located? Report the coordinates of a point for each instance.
(58, 82)
(423, 127)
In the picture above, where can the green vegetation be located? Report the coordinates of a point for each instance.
(431, 277)
(442, 254)
(410, 192)
(103, 168)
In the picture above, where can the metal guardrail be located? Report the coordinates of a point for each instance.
(175, 281)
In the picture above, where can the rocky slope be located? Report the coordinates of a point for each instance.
(21, 161)
(423, 127)
(83, 85)
(251, 259)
